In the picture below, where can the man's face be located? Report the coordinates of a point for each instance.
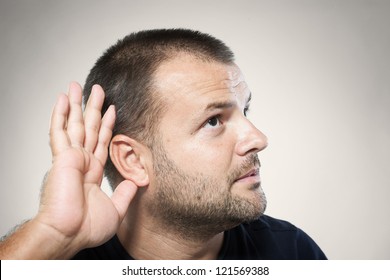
(204, 161)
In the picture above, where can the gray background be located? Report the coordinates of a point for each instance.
(319, 71)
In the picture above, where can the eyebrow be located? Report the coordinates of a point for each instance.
(225, 104)
(220, 105)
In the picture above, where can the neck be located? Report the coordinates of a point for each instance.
(145, 238)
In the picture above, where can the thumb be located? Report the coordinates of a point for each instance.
(122, 196)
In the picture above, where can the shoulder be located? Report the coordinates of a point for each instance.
(271, 238)
(269, 223)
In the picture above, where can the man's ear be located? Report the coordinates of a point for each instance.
(128, 156)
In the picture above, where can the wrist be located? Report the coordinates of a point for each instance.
(52, 243)
(36, 240)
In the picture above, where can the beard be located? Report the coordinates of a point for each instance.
(198, 206)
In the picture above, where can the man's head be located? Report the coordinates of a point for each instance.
(182, 129)
(126, 71)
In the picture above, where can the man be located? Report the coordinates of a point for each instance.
(182, 162)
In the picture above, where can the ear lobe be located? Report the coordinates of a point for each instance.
(126, 154)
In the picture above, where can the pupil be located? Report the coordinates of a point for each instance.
(213, 121)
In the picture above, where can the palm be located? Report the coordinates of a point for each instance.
(72, 201)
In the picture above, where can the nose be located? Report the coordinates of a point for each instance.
(250, 139)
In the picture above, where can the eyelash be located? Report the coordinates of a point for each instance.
(246, 111)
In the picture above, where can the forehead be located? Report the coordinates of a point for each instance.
(186, 79)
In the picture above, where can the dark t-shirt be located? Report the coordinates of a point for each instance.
(266, 238)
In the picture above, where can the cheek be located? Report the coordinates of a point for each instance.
(203, 159)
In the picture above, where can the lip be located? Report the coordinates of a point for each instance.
(252, 176)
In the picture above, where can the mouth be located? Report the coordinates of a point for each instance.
(252, 176)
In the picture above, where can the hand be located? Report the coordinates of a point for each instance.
(73, 206)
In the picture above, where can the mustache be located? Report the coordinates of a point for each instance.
(250, 161)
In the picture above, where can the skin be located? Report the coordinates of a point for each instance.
(75, 213)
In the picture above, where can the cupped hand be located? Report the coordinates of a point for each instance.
(73, 204)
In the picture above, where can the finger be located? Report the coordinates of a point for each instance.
(92, 118)
(122, 196)
(58, 137)
(75, 128)
(105, 133)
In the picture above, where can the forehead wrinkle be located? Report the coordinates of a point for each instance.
(201, 84)
(177, 79)
(212, 86)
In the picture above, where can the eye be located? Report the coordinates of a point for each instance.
(213, 122)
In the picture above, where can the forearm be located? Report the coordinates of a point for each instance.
(34, 240)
